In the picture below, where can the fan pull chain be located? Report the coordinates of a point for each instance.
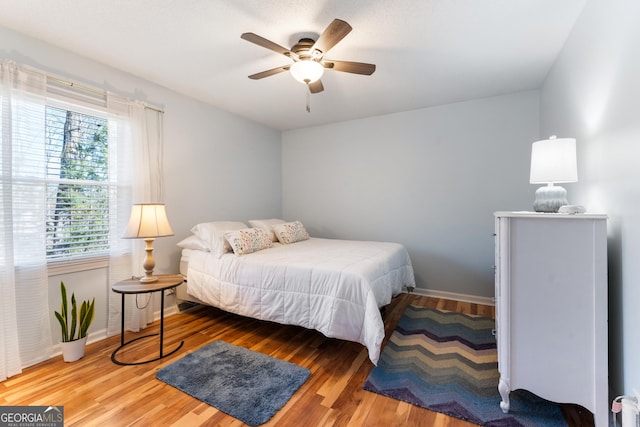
(308, 99)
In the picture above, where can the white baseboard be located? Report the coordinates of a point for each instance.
(102, 334)
(97, 336)
(474, 299)
(168, 311)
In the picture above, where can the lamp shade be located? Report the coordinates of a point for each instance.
(148, 221)
(307, 71)
(553, 160)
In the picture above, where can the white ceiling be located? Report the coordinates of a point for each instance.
(427, 52)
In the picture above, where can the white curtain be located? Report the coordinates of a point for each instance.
(25, 332)
(135, 160)
(142, 129)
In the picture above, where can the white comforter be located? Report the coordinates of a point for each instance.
(333, 286)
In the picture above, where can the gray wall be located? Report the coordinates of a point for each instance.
(593, 94)
(217, 165)
(429, 179)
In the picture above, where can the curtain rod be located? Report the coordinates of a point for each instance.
(95, 91)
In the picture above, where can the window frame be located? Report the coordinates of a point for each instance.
(93, 261)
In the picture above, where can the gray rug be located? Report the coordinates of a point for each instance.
(247, 385)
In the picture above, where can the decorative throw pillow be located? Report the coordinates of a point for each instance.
(267, 225)
(248, 240)
(212, 234)
(290, 232)
(193, 242)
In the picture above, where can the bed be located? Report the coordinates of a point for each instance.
(336, 287)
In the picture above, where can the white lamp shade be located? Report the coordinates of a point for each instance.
(146, 221)
(306, 71)
(553, 160)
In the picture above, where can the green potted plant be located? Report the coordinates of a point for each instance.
(72, 344)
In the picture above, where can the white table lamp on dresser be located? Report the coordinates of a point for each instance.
(551, 308)
(553, 161)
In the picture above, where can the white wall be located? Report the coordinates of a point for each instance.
(593, 94)
(217, 166)
(429, 179)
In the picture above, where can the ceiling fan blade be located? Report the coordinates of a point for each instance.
(261, 41)
(316, 86)
(335, 32)
(268, 73)
(350, 67)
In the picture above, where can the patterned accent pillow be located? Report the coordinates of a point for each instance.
(290, 232)
(267, 225)
(248, 240)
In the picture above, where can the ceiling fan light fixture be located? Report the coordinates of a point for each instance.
(308, 57)
(307, 71)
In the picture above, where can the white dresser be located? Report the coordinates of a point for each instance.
(551, 308)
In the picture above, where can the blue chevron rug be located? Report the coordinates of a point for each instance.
(447, 362)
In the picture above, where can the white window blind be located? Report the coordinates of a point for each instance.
(77, 174)
(71, 183)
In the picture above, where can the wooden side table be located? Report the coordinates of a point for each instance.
(133, 286)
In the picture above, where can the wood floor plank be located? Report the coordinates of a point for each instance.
(95, 391)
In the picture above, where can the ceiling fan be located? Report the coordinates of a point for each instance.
(308, 58)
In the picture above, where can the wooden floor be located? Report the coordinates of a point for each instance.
(96, 392)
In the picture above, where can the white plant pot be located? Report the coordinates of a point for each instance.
(73, 350)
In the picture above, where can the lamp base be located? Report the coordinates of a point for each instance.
(550, 198)
(149, 263)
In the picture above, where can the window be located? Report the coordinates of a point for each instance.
(77, 178)
(67, 174)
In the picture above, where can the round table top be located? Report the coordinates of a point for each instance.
(133, 286)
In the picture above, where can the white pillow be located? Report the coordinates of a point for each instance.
(290, 232)
(193, 242)
(267, 225)
(248, 240)
(212, 233)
